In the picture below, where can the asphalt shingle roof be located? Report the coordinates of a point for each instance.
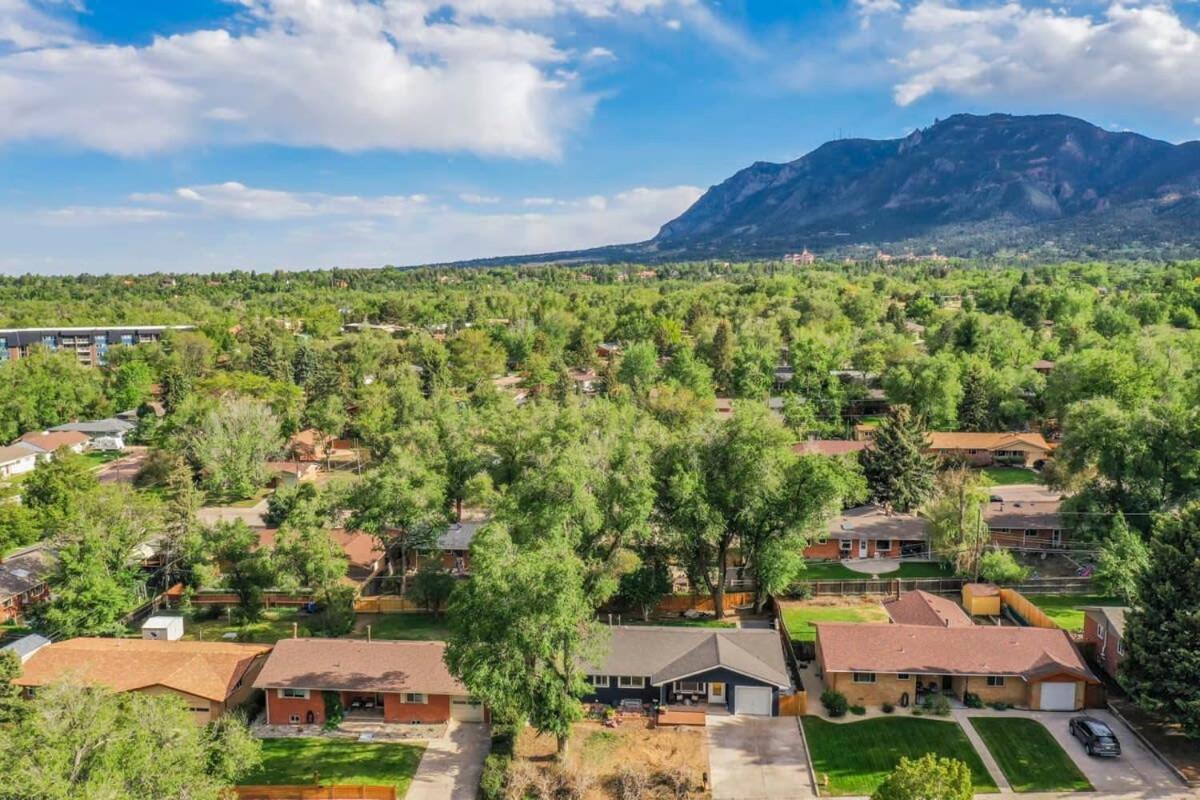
(668, 653)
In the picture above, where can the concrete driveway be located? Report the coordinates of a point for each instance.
(452, 764)
(1136, 772)
(755, 758)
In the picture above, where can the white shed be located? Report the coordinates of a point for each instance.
(168, 627)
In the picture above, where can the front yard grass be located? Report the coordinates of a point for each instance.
(1029, 756)
(302, 762)
(1012, 476)
(799, 615)
(857, 756)
(1066, 609)
(407, 625)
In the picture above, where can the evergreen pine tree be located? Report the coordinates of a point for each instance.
(899, 472)
(1162, 632)
(973, 409)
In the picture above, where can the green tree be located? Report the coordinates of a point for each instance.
(974, 413)
(475, 357)
(720, 356)
(958, 531)
(231, 557)
(45, 389)
(431, 587)
(10, 693)
(520, 631)
(131, 385)
(643, 587)
(930, 777)
(639, 367)
(1162, 632)
(82, 743)
(55, 484)
(1122, 561)
(1000, 567)
(232, 445)
(898, 469)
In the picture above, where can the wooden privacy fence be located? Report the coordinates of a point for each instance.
(385, 604)
(337, 792)
(679, 603)
(793, 705)
(886, 587)
(1025, 609)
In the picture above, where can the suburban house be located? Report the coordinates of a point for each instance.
(290, 473)
(16, 460)
(112, 431)
(1104, 629)
(45, 443)
(310, 445)
(390, 681)
(922, 608)
(454, 547)
(741, 670)
(362, 550)
(1025, 517)
(1035, 668)
(210, 677)
(870, 532)
(1029, 450)
(23, 580)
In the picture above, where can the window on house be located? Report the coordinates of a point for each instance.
(301, 694)
(631, 681)
(599, 681)
(864, 677)
(199, 709)
(995, 680)
(844, 545)
(690, 686)
(883, 544)
(903, 676)
(1120, 647)
(415, 698)
(1101, 632)
(294, 719)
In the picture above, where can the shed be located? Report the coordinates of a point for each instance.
(26, 646)
(164, 626)
(981, 599)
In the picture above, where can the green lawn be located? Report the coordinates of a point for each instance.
(1029, 756)
(1065, 610)
(97, 458)
(799, 615)
(298, 761)
(409, 625)
(835, 571)
(1008, 476)
(275, 624)
(857, 756)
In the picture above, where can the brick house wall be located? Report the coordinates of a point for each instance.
(280, 709)
(437, 709)
(889, 688)
(1107, 648)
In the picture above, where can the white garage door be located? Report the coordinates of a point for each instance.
(755, 700)
(466, 709)
(1058, 697)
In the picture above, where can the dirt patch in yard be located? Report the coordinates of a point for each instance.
(599, 757)
(799, 615)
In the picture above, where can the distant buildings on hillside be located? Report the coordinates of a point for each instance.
(90, 345)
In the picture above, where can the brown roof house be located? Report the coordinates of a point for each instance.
(388, 681)
(210, 677)
(1029, 450)
(1035, 668)
(922, 608)
(23, 580)
(44, 443)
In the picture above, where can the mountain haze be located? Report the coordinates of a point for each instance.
(970, 182)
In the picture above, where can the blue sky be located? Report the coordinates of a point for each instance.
(139, 135)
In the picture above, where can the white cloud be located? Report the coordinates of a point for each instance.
(351, 75)
(539, 201)
(1141, 55)
(599, 53)
(478, 199)
(231, 225)
(674, 24)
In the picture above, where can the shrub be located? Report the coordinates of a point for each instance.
(334, 713)
(632, 783)
(835, 703)
(887, 708)
(496, 765)
(999, 706)
(999, 566)
(857, 711)
(917, 712)
(972, 700)
(941, 706)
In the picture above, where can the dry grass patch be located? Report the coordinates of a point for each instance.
(633, 762)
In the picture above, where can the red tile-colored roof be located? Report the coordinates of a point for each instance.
(357, 665)
(923, 608)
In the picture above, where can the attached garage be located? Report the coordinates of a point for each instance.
(752, 700)
(1057, 696)
(466, 709)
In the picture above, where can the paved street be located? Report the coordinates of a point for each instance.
(452, 764)
(754, 758)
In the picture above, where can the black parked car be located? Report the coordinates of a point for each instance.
(1098, 739)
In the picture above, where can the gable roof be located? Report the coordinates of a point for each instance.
(665, 653)
(922, 608)
(205, 669)
(98, 427)
(27, 645)
(26, 569)
(357, 665)
(1113, 615)
(49, 441)
(14, 453)
(966, 440)
(872, 522)
(976, 650)
(361, 549)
